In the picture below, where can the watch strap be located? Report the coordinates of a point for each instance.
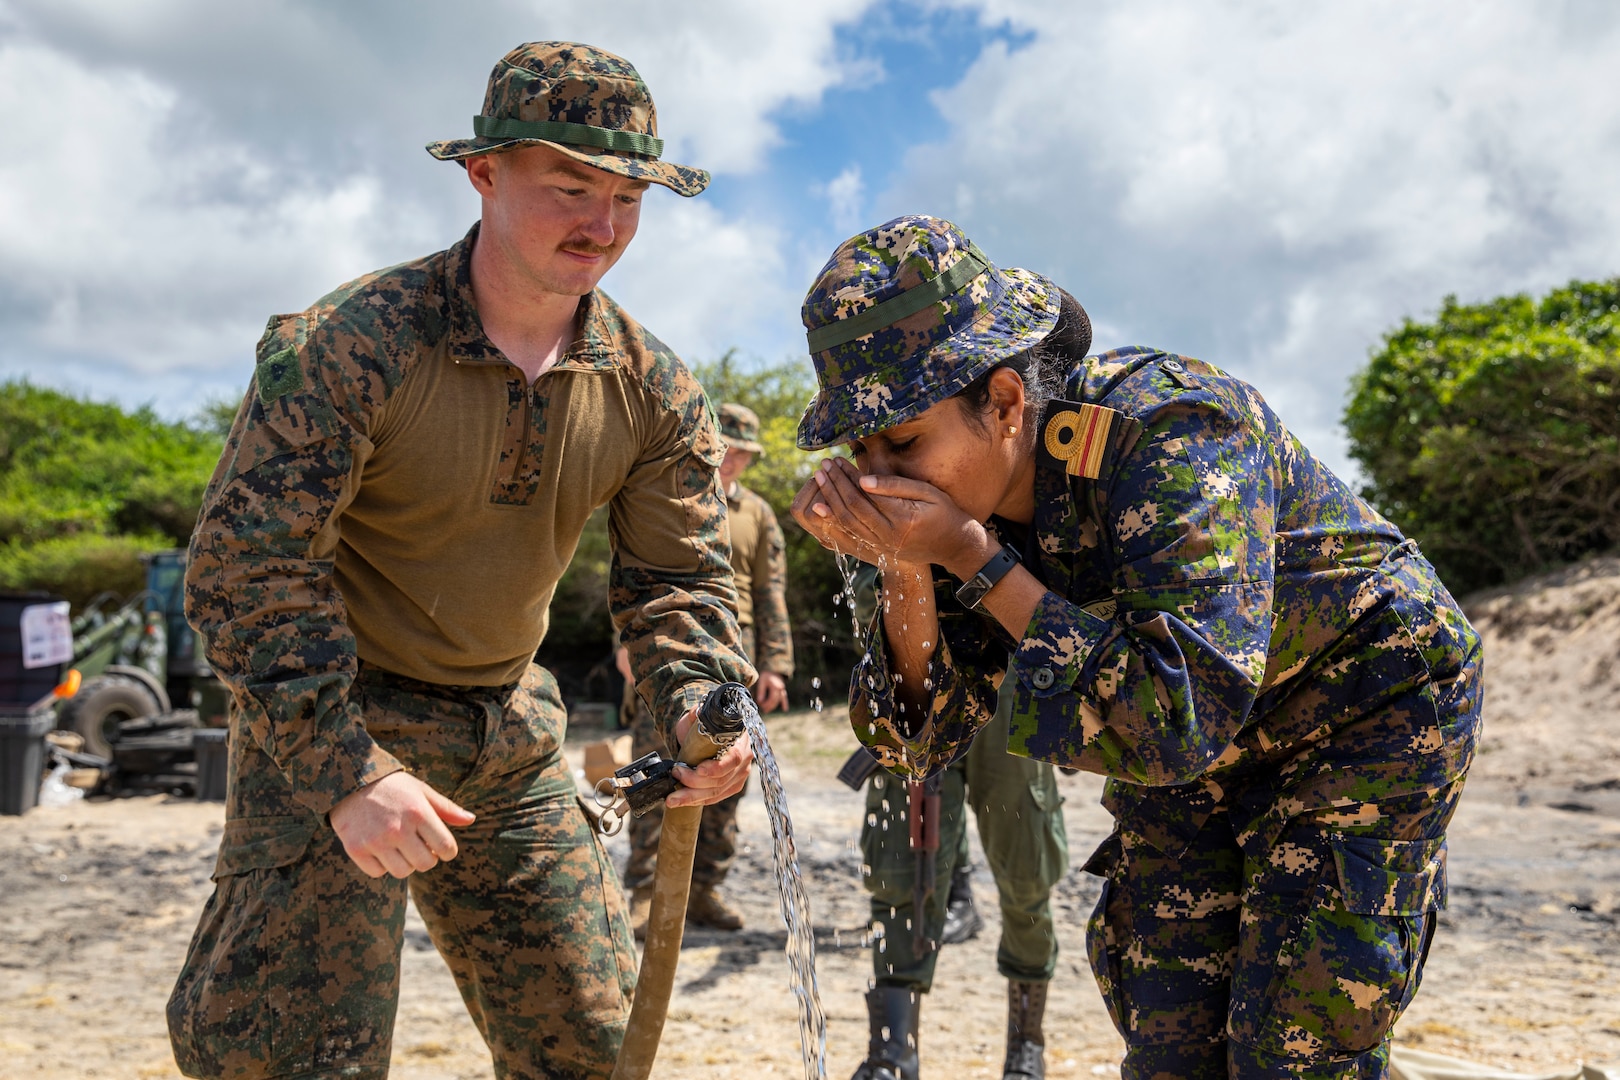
(973, 590)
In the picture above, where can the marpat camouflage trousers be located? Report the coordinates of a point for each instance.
(294, 969)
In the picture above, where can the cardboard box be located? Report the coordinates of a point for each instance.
(605, 757)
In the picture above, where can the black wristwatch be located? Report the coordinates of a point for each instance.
(971, 594)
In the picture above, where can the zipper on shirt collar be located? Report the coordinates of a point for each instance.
(528, 421)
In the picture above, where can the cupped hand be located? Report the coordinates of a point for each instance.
(883, 519)
(397, 826)
(718, 778)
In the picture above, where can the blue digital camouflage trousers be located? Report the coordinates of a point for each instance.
(1268, 943)
(294, 969)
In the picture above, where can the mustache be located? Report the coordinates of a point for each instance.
(585, 247)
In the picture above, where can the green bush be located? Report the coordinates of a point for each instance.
(1492, 435)
(70, 466)
(86, 488)
(79, 568)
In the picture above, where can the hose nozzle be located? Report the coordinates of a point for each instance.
(720, 720)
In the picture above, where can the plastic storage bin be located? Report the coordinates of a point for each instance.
(22, 754)
(212, 762)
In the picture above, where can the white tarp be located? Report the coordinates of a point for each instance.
(1407, 1064)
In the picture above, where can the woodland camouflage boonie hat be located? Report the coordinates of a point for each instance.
(905, 315)
(739, 427)
(587, 103)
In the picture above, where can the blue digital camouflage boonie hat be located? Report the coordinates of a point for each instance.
(905, 315)
(587, 103)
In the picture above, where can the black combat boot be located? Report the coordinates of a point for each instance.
(962, 921)
(891, 1054)
(1026, 1046)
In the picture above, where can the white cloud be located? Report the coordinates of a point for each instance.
(703, 282)
(1272, 185)
(195, 167)
(846, 199)
(133, 240)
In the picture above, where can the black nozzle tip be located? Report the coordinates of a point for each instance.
(726, 709)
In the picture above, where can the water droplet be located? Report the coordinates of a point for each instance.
(815, 683)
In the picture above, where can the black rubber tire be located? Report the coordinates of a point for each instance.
(101, 705)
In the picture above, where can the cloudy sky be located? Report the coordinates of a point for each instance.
(1267, 185)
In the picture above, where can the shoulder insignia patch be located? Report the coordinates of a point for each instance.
(278, 374)
(1075, 435)
(1101, 609)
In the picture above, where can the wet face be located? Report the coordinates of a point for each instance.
(732, 467)
(984, 468)
(560, 224)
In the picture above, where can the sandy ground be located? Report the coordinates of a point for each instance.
(98, 900)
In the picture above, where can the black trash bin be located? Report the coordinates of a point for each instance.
(19, 685)
(22, 754)
(212, 759)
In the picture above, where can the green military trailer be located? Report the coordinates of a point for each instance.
(137, 660)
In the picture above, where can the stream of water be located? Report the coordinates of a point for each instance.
(795, 902)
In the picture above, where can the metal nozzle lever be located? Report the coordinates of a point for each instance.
(636, 788)
(647, 781)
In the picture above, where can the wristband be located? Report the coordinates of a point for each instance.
(973, 590)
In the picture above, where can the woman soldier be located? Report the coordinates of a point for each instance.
(1283, 696)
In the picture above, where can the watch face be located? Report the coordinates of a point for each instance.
(972, 591)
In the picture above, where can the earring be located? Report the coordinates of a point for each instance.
(1011, 430)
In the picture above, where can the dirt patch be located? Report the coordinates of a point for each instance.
(98, 900)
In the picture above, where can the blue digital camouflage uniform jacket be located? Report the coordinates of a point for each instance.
(1223, 612)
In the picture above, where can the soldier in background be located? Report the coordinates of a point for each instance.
(411, 468)
(1019, 815)
(757, 560)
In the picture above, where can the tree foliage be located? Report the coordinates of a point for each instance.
(1492, 434)
(86, 488)
(778, 393)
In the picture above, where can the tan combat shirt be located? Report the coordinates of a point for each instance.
(759, 562)
(395, 491)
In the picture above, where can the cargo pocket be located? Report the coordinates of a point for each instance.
(1103, 937)
(220, 1014)
(1354, 960)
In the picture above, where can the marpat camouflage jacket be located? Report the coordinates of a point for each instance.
(395, 492)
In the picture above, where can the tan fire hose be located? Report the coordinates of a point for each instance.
(719, 723)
